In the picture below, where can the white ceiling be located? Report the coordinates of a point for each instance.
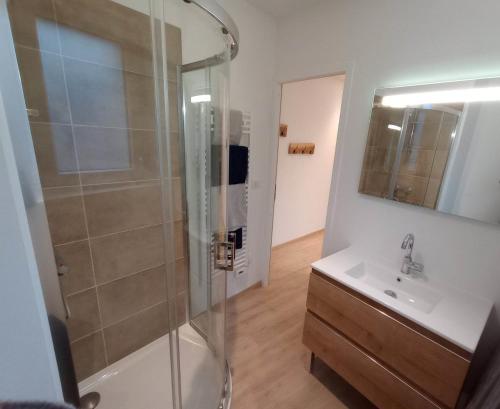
(282, 8)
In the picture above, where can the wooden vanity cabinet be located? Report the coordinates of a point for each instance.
(394, 362)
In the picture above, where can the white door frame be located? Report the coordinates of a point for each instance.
(346, 69)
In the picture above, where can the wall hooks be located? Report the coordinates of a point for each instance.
(283, 130)
(301, 148)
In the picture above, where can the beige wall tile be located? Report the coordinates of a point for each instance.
(416, 162)
(43, 85)
(432, 193)
(140, 101)
(379, 159)
(125, 253)
(174, 50)
(143, 161)
(179, 239)
(84, 317)
(173, 44)
(55, 154)
(65, 214)
(138, 59)
(122, 206)
(411, 189)
(177, 155)
(97, 94)
(425, 125)
(177, 187)
(126, 296)
(173, 107)
(76, 256)
(112, 22)
(88, 355)
(447, 129)
(181, 308)
(379, 135)
(136, 331)
(101, 150)
(181, 275)
(23, 16)
(375, 183)
(439, 165)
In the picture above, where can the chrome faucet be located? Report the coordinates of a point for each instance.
(409, 266)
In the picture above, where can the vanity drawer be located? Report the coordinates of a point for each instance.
(381, 386)
(439, 369)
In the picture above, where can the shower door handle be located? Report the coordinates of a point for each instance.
(225, 252)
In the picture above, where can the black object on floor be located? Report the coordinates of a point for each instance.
(64, 359)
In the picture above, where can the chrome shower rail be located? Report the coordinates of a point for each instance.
(228, 27)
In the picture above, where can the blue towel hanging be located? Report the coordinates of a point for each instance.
(238, 164)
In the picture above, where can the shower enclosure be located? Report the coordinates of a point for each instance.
(127, 103)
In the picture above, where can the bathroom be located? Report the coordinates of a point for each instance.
(106, 112)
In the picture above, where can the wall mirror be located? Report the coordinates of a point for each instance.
(437, 146)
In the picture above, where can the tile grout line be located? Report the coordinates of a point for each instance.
(109, 183)
(80, 60)
(125, 318)
(102, 184)
(79, 125)
(135, 313)
(148, 226)
(116, 279)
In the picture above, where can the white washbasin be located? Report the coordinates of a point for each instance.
(392, 283)
(454, 314)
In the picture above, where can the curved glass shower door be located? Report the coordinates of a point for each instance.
(127, 105)
(203, 94)
(205, 106)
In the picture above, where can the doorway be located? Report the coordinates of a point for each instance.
(309, 122)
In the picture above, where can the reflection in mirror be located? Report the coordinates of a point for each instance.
(437, 146)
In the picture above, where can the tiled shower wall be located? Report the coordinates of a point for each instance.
(423, 159)
(86, 69)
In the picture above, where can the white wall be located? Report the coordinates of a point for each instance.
(311, 109)
(252, 90)
(392, 43)
(478, 195)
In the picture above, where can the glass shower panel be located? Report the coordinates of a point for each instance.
(197, 128)
(128, 108)
(219, 82)
(205, 107)
(88, 76)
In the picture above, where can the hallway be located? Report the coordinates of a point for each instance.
(269, 363)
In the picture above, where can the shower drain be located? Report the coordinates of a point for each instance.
(391, 293)
(90, 400)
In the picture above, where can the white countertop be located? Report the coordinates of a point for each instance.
(459, 317)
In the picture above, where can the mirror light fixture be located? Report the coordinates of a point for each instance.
(200, 98)
(442, 97)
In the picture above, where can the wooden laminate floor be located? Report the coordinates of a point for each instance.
(269, 363)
